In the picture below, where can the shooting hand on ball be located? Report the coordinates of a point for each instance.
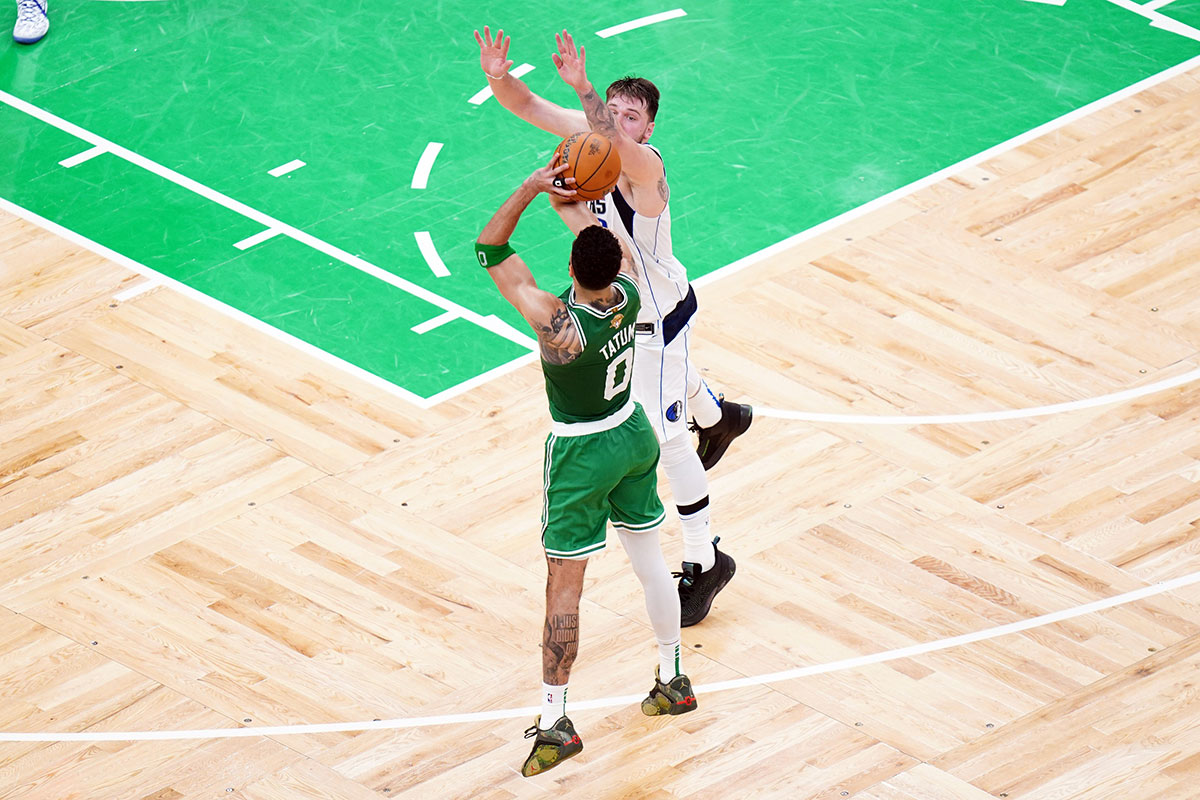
(548, 179)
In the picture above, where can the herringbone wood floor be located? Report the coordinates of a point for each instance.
(202, 528)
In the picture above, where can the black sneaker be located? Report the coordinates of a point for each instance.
(697, 589)
(714, 441)
(674, 697)
(551, 747)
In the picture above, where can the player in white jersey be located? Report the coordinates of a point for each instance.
(665, 382)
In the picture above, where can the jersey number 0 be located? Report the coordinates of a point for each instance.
(624, 363)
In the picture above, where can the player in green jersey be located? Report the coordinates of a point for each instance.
(601, 455)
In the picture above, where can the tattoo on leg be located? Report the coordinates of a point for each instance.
(560, 645)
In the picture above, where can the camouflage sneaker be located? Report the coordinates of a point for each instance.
(551, 747)
(674, 697)
(698, 589)
(714, 441)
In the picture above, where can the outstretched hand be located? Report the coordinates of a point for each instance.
(493, 53)
(549, 179)
(571, 64)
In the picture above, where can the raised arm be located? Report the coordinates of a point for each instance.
(513, 94)
(546, 313)
(639, 164)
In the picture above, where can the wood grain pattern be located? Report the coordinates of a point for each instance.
(201, 528)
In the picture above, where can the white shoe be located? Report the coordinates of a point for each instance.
(32, 21)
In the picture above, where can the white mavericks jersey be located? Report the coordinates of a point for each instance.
(668, 301)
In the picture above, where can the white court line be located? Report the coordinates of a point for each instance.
(135, 290)
(1049, 2)
(641, 23)
(942, 174)
(490, 322)
(983, 416)
(436, 322)
(323, 356)
(486, 322)
(257, 238)
(610, 702)
(430, 254)
(486, 92)
(284, 169)
(79, 158)
(199, 297)
(1154, 5)
(480, 380)
(425, 165)
(1158, 20)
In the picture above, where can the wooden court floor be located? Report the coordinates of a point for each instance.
(203, 528)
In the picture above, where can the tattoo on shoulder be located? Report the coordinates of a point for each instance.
(662, 188)
(560, 343)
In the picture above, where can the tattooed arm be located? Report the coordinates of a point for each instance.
(557, 336)
(639, 164)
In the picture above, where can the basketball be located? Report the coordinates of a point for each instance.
(592, 161)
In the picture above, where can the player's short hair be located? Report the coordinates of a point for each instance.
(638, 89)
(595, 257)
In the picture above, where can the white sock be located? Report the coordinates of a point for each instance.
(703, 405)
(689, 485)
(697, 543)
(554, 705)
(668, 661)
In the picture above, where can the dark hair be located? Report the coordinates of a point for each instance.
(595, 257)
(638, 89)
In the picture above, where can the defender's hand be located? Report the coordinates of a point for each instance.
(571, 64)
(493, 53)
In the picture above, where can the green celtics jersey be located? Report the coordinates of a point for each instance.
(597, 383)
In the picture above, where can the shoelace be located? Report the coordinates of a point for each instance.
(30, 10)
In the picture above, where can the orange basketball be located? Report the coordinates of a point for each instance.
(592, 160)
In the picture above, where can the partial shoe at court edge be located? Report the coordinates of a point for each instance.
(33, 21)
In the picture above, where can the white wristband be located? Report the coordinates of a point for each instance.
(495, 77)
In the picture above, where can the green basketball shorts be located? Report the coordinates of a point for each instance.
(597, 477)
